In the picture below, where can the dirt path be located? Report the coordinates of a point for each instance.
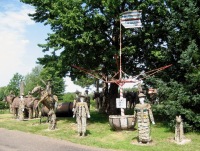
(11, 140)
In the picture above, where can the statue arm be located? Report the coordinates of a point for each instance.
(74, 111)
(151, 116)
(87, 110)
(134, 117)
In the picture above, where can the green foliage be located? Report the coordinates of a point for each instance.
(14, 84)
(3, 105)
(87, 34)
(85, 81)
(68, 97)
(58, 83)
(2, 92)
(176, 100)
(32, 79)
(40, 75)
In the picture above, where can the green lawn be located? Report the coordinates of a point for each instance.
(101, 135)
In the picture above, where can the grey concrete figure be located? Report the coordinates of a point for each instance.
(52, 120)
(179, 134)
(140, 90)
(76, 99)
(22, 86)
(21, 107)
(81, 112)
(143, 115)
(87, 98)
(49, 92)
(49, 87)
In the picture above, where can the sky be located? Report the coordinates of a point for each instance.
(19, 39)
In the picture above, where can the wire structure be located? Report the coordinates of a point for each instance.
(129, 19)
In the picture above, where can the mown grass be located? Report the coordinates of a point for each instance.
(101, 135)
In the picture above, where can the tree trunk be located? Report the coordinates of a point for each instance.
(97, 85)
(112, 95)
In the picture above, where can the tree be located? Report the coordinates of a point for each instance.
(2, 93)
(32, 79)
(87, 35)
(50, 73)
(14, 84)
(40, 75)
(181, 94)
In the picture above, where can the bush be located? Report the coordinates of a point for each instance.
(68, 97)
(3, 105)
(175, 99)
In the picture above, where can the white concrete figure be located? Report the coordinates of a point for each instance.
(143, 115)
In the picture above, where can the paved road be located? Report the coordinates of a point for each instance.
(11, 140)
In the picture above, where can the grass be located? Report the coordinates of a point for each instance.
(101, 135)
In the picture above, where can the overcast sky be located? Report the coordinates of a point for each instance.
(19, 36)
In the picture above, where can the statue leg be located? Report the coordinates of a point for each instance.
(83, 126)
(79, 125)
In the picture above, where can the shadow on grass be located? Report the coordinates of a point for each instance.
(98, 117)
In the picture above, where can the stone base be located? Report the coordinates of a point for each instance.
(118, 122)
(136, 142)
(184, 141)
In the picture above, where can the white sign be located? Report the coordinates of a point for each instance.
(131, 19)
(132, 24)
(121, 102)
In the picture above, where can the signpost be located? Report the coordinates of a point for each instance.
(129, 19)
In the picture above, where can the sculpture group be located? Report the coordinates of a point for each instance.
(47, 103)
(19, 105)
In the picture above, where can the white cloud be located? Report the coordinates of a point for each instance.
(71, 87)
(19, 36)
(13, 43)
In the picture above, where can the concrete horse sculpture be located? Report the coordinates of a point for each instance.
(49, 101)
(18, 108)
(9, 100)
(24, 105)
(98, 97)
(131, 98)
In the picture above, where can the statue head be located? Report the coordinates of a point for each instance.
(77, 92)
(82, 97)
(141, 98)
(178, 119)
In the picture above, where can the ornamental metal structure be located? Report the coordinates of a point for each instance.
(129, 19)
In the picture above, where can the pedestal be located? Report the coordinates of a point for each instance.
(118, 122)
